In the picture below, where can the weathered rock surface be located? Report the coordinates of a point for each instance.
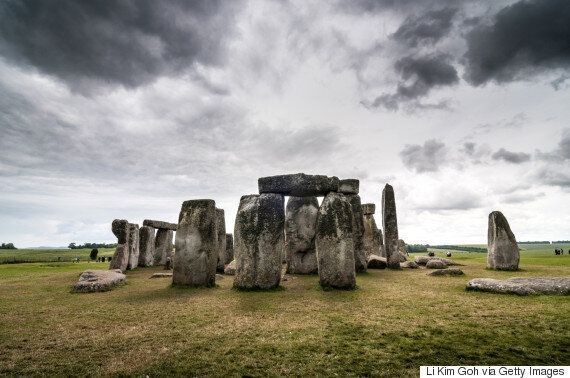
(221, 227)
(372, 237)
(160, 224)
(298, 185)
(259, 241)
(162, 275)
(335, 244)
(99, 280)
(390, 227)
(120, 259)
(196, 244)
(348, 186)
(368, 208)
(503, 251)
(360, 261)
(522, 286)
(436, 264)
(377, 262)
(163, 246)
(133, 243)
(409, 265)
(402, 250)
(146, 246)
(300, 229)
(230, 269)
(229, 248)
(423, 260)
(446, 272)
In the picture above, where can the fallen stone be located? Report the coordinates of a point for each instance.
(360, 261)
(120, 258)
(160, 224)
(230, 269)
(409, 265)
(368, 208)
(229, 248)
(377, 262)
(334, 243)
(162, 275)
(446, 272)
(146, 246)
(522, 286)
(196, 244)
(99, 280)
(502, 247)
(423, 260)
(133, 243)
(300, 227)
(298, 185)
(348, 186)
(390, 227)
(259, 241)
(163, 246)
(221, 227)
(436, 264)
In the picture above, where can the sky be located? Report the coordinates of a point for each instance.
(125, 109)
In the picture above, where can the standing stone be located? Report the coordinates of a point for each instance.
(221, 227)
(298, 185)
(390, 226)
(163, 246)
(229, 248)
(259, 241)
(133, 246)
(146, 246)
(335, 244)
(380, 238)
(372, 237)
(196, 244)
(503, 251)
(360, 260)
(300, 226)
(402, 250)
(120, 259)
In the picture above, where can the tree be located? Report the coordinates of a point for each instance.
(71, 246)
(93, 254)
(8, 246)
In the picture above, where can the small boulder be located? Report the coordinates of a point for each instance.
(230, 269)
(99, 280)
(446, 272)
(436, 264)
(409, 265)
(377, 262)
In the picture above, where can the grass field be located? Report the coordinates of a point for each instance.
(43, 255)
(393, 323)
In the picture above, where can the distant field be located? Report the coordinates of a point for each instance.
(526, 249)
(45, 255)
(391, 324)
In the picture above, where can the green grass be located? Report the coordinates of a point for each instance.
(393, 323)
(42, 255)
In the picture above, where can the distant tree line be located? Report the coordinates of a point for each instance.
(91, 245)
(561, 242)
(535, 242)
(460, 248)
(7, 246)
(416, 247)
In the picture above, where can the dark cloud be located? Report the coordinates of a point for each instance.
(129, 42)
(373, 6)
(419, 75)
(427, 28)
(452, 199)
(554, 176)
(511, 157)
(426, 158)
(523, 39)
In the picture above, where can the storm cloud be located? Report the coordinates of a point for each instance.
(523, 39)
(427, 28)
(129, 42)
(427, 158)
(511, 157)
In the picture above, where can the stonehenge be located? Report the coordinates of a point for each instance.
(502, 247)
(163, 245)
(298, 185)
(300, 228)
(390, 226)
(120, 228)
(349, 186)
(229, 248)
(335, 244)
(221, 228)
(146, 246)
(160, 224)
(372, 237)
(197, 244)
(259, 241)
(358, 232)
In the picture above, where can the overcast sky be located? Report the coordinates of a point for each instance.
(124, 109)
